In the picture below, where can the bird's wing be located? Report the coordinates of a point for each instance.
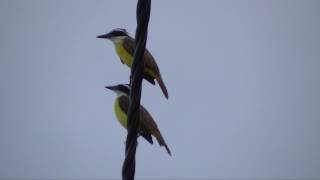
(124, 103)
(149, 78)
(129, 44)
(147, 124)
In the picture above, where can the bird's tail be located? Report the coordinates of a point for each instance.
(162, 86)
(162, 142)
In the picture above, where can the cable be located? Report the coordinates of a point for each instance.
(137, 71)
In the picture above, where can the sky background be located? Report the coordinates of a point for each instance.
(243, 79)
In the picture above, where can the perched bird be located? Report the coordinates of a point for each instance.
(125, 45)
(147, 125)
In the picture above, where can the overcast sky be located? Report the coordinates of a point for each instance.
(243, 79)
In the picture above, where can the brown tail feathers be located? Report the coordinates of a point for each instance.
(162, 86)
(162, 142)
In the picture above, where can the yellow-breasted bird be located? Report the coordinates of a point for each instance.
(147, 125)
(125, 45)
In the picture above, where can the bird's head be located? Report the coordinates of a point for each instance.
(114, 34)
(121, 89)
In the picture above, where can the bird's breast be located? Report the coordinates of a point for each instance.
(127, 58)
(124, 55)
(120, 114)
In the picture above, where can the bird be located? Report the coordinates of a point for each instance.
(147, 125)
(125, 46)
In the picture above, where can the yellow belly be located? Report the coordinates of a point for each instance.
(127, 58)
(120, 114)
(124, 55)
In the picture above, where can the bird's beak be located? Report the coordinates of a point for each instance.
(110, 87)
(104, 36)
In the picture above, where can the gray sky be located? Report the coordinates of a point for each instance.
(243, 78)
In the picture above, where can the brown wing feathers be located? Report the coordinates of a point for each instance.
(150, 63)
(148, 124)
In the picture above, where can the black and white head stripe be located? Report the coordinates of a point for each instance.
(121, 89)
(125, 88)
(118, 32)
